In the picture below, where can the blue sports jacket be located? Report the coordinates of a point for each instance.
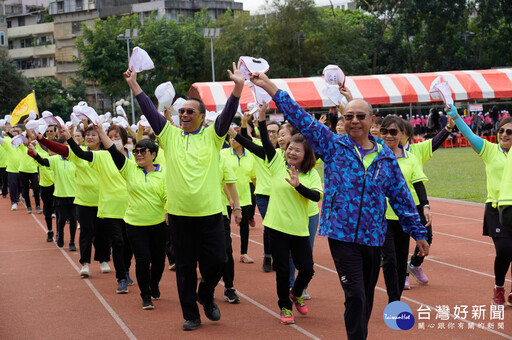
(354, 201)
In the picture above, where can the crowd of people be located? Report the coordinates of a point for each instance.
(173, 189)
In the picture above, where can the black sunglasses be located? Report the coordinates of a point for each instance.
(141, 151)
(391, 132)
(350, 116)
(508, 132)
(188, 111)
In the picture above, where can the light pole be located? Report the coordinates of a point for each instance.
(300, 36)
(212, 33)
(127, 36)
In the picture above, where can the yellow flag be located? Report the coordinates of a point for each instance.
(24, 107)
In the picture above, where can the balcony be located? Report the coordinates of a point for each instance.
(40, 72)
(29, 31)
(28, 52)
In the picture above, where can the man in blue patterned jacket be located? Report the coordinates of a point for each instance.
(360, 172)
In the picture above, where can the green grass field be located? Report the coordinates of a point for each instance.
(456, 173)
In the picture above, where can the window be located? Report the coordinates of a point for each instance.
(10, 45)
(76, 27)
(78, 5)
(9, 23)
(2, 38)
(60, 7)
(21, 21)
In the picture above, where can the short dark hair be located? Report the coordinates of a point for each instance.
(274, 122)
(122, 132)
(202, 107)
(393, 120)
(82, 132)
(149, 144)
(409, 130)
(309, 160)
(502, 122)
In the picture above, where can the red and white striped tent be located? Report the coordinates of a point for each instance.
(382, 89)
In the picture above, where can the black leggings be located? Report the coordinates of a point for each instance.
(47, 198)
(244, 227)
(28, 181)
(503, 258)
(65, 209)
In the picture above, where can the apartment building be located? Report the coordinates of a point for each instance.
(29, 37)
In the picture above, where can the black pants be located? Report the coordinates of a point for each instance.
(30, 181)
(89, 228)
(47, 198)
(503, 259)
(197, 239)
(229, 267)
(415, 259)
(244, 227)
(3, 181)
(282, 245)
(169, 249)
(112, 237)
(358, 269)
(148, 244)
(394, 254)
(65, 209)
(262, 201)
(14, 193)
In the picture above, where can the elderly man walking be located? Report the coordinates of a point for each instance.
(194, 199)
(360, 172)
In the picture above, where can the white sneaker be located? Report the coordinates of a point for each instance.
(104, 267)
(84, 272)
(14, 206)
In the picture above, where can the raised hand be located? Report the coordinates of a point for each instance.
(231, 132)
(294, 176)
(323, 118)
(236, 75)
(64, 131)
(346, 92)
(245, 119)
(262, 111)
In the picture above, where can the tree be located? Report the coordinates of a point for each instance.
(52, 96)
(13, 85)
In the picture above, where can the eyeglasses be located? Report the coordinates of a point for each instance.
(508, 132)
(188, 111)
(272, 132)
(350, 116)
(391, 132)
(141, 151)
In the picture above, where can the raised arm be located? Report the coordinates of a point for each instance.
(255, 149)
(223, 121)
(155, 119)
(317, 134)
(117, 156)
(33, 153)
(58, 148)
(441, 136)
(476, 142)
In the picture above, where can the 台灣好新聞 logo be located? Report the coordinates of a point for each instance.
(398, 315)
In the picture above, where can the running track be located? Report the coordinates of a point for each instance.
(42, 296)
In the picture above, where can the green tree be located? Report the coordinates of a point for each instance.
(13, 85)
(53, 97)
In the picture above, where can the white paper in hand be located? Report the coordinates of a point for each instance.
(18, 140)
(49, 118)
(8, 118)
(333, 93)
(261, 95)
(140, 60)
(253, 109)
(2, 123)
(32, 115)
(120, 111)
(440, 89)
(334, 75)
(34, 125)
(248, 65)
(164, 93)
(210, 117)
(91, 114)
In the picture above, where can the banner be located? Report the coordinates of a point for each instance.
(23, 108)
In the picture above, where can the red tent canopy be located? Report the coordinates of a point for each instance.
(377, 89)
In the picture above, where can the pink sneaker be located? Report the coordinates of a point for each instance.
(407, 285)
(299, 303)
(418, 274)
(499, 296)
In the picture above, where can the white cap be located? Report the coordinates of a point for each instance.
(120, 111)
(333, 75)
(248, 65)
(140, 60)
(165, 95)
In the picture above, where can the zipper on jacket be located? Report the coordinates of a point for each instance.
(360, 206)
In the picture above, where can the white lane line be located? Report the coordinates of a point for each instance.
(105, 304)
(463, 238)
(462, 268)
(451, 200)
(274, 314)
(26, 250)
(461, 217)
(419, 303)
